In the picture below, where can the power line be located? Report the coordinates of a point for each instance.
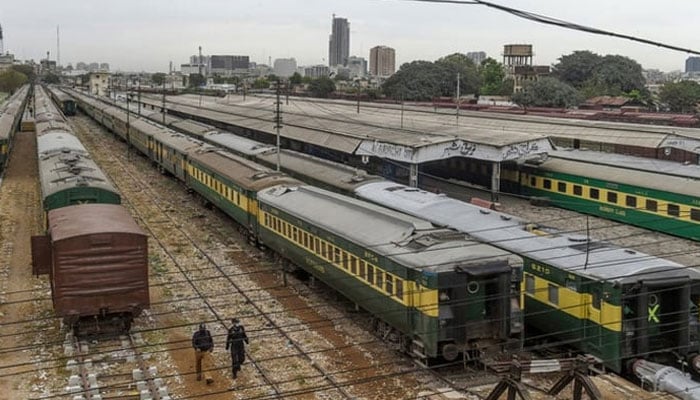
(543, 19)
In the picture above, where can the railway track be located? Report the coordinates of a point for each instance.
(290, 350)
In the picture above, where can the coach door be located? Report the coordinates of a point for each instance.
(592, 322)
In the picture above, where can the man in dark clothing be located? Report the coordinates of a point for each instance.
(234, 342)
(202, 343)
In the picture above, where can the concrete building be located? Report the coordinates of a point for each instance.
(98, 83)
(357, 67)
(104, 66)
(339, 42)
(317, 71)
(477, 56)
(285, 67)
(692, 64)
(382, 61)
(228, 65)
(517, 60)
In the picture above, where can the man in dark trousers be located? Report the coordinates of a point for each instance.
(202, 343)
(234, 342)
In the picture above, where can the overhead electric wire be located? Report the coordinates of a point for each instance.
(543, 19)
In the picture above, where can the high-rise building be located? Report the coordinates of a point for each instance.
(339, 42)
(228, 65)
(382, 61)
(477, 56)
(357, 67)
(317, 71)
(285, 67)
(692, 64)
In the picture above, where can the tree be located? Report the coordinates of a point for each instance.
(158, 78)
(261, 83)
(322, 87)
(547, 92)
(197, 80)
(576, 68)
(469, 79)
(26, 70)
(51, 79)
(296, 79)
(11, 80)
(680, 96)
(493, 80)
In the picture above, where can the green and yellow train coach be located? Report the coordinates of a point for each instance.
(658, 195)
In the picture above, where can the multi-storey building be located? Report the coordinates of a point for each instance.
(339, 42)
(382, 61)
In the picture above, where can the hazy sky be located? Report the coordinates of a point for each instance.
(147, 34)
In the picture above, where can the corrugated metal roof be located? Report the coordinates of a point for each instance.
(412, 242)
(59, 142)
(63, 171)
(90, 219)
(604, 261)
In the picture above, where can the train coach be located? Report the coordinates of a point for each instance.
(67, 173)
(64, 102)
(10, 117)
(616, 304)
(433, 291)
(654, 194)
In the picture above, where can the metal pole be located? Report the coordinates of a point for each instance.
(138, 94)
(163, 105)
(458, 96)
(402, 111)
(278, 123)
(358, 97)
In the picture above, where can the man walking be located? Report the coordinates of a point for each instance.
(234, 342)
(202, 343)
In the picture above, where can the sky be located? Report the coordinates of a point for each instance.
(145, 35)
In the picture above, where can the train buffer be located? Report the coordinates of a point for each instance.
(576, 371)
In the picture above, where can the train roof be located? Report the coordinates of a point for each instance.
(575, 254)
(665, 167)
(59, 94)
(175, 140)
(10, 110)
(408, 240)
(67, 170)
(190, 126)
(239, 144)
(634, 177)
(91, 219)
(320, 170)
(243, 172)
(54, 142)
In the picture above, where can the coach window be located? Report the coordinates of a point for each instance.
(695, 214)
(674, 210)
(594, 193)
(380, 279)
(295, 235)
(370, 274)
(353, 265)
(561, 187)
(530, 284)
(336, 255)
(612, 197)
(547, 184)
(399, 289)
(652, 205)
(389, 284)
(322, 249)
(306, 240)
(631, 201)
(533, 181)
(578, 190)
(363, 275)
(346, 260)
(595, 299)
(553, 294)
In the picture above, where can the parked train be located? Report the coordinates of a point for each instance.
(64, 102)
(654, 194)
(437, 293)
(10, 117)
(95, 255)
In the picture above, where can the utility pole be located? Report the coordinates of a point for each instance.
(138, 94)
(164, 103)
(458, 97)
(278, 122)
(402, 110)
(358, 97)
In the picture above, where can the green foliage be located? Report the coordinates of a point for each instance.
(680, 96)
(11, 80)
(232, 80)
(322, 87)
(296, 79)
(547, 92)
(423, 80)
(261, 83)
(51, 79)
(307, 79)
(594, 75)
(158, 78)
(27, 70)
(197, 80)
(493, 80)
